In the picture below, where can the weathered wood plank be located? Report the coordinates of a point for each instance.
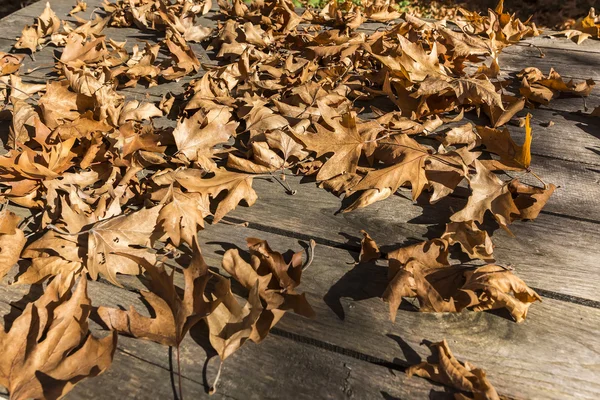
(277, 368)
(552, 252)
(553, 354)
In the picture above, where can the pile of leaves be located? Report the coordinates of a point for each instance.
(111, 192)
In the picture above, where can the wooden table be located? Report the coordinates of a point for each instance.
(351, 349)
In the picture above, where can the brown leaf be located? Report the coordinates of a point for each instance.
(49, 348)
(474, 242)
(408, 165)
(491, 287)
(238, 187)
(489, 193)
(197, 136)
(530, 199)
(110, 238)
(230, 324)
(368, 249)
(347, 140)
(174, 315)
(414, 269)
(182, 214)
(12, 241)
(450, 372)
(10, 63)
(278, 299)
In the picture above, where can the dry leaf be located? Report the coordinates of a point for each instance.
(49, 348)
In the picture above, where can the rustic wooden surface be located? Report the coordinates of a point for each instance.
(351, 349)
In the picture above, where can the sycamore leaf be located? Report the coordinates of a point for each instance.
(12, 241)
(530, 199)
(10, 63)
(450, 372)
(174, 315)
(265, 270)
(111, 237)
(238, 187)
(408, 166)
(197, 136)
(491, 287)
(412, 272)
(136, 111)
(230, 324)
(49, 348)
(512, 156)
(474, 242)
(182, 214)
(489, 193)
(369, 250)
(348, 139)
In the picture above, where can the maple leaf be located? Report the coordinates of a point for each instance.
(49, 348)
(491, 287)
(182, 213)
(408, 165)
(450, 372)
(174, 315)
(197, 136)
(489, 194)
(12, 241)
(348, 140)
(238, 187)
(108, 238)
(368, 249)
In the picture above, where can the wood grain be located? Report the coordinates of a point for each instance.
(278, 367)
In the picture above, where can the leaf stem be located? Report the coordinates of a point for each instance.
(538, 178)
(179, 373)
(213, 389)
(311, 254)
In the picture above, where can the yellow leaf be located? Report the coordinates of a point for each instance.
(524, 155)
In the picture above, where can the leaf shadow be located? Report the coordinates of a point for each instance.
(17, 307)
(362, 282)
(411, 357)
(199, 333)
